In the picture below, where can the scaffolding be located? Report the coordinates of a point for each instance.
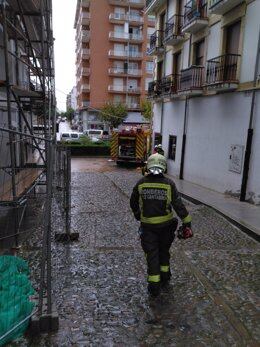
(27, 125)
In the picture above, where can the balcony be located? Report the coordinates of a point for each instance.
(83, 36)
(222, 6)
(152, 6)
(122, 17)
(154, 91)
(132, 55)
(222, 72)
(172, 33)
(195, 16)
(133, 106)
(156, 43)
(84, 104)
(85, 3)
(124, 89)
(85, 88)
(122, 36)
(169, 85)
(85, 71)
(85, 53)
(132, 3)
(191, 81)
(118, 71)
(84, 18)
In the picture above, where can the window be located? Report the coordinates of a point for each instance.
(199, 53)
(176, 63)
(149, 66)
(159, 70)
(232, 38)
(147, 81)
(172, 147)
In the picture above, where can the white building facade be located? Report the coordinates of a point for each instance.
(205, 94)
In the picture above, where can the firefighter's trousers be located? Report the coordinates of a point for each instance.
(156, 244)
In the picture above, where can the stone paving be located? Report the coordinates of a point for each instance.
(100, 286)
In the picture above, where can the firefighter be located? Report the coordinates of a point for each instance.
(158, 149)
(153, 200)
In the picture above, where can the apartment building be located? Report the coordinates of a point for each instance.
(205, 92)
(111, 61)
(71, 101)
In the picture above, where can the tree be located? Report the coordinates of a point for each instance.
(146, 109)
(69, 113)
(113, 113)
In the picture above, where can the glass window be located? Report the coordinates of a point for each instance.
(149, 66)
(172, 147)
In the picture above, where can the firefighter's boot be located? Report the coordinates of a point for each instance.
(154, 289)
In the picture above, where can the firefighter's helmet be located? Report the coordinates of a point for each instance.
(156, 164)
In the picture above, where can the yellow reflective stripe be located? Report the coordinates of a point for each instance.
(164, 268)
(154, 278)
(157, 220)
(187, 219)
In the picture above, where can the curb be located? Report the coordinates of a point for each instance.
(243, 227)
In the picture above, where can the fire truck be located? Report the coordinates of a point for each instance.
(131, 144)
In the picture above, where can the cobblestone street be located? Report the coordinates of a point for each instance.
(99, 282)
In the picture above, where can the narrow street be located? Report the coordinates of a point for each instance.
(99, 282)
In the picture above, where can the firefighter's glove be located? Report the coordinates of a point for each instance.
(184, 232)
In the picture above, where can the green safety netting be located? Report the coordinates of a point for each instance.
(15, 292)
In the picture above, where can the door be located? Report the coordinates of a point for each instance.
(230, 61)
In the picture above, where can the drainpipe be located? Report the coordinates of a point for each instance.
(186, 107)
(250, 132)
(164, 60)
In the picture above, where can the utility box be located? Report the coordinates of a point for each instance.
(236, 158)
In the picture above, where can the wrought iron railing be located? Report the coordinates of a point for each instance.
(154, 89)
(191, 78)
(195, 10)
(156, 40)
(173, 27)
(222, 69)
(169, 84)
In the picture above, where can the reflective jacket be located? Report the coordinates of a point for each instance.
(154, 200)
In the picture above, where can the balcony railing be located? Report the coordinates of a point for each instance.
(156, 41)
(125, 36)
(169, 85)
(173, 29)
(85, 88)
(122, 71)
(126, 17)
(124, 89)
(191, 78)
(222, 69)
(85, 71)
(125, 54)
(195, 10)
(85, 53)
(133, 105)
(83, 36)
(154, 90)
(133, 3)
(222, 6)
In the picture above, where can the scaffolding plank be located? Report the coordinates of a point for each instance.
(23, 181)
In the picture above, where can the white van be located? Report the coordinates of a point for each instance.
(69, 137)
(94, 133)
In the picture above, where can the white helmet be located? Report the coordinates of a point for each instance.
(156, 164)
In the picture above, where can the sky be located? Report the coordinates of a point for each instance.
(64, 48)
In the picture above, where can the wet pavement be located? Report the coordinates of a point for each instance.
(99, 282)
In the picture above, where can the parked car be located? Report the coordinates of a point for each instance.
(70, 137)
